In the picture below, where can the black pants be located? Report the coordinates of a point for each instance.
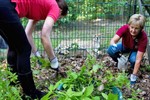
(13, 33)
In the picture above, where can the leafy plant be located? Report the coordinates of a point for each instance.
(83, 85)
(7, 91)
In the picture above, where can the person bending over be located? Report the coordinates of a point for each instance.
(18, 57)
(36, 10)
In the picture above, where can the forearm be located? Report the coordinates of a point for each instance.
(47, 46)
(139, 57)
(136, 67)
(45, 36)
(29, 29)
(133, 76)
(114, 40)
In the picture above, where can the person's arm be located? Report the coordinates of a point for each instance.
(115, 39)
(45, 37)
(29, 29)
(138, 62)
(133, 76)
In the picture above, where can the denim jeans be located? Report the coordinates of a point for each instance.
(114, 53)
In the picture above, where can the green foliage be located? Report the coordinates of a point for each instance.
(83, 85)
(93, 9)
(119, 79)
(45, 63)
(7, 91)
(24, 21)
(147, 68)
(110, 96)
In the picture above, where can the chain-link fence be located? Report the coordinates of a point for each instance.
(89, 26)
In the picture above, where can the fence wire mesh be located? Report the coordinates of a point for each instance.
(88, 27)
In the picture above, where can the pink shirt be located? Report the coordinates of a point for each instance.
(37, 9)
(128, 41)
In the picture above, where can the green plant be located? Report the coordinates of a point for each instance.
(147, 68)
(83, 85)
(7, 91)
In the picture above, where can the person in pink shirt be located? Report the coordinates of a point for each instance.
(18, 55)
(134, 42)
(36, 10)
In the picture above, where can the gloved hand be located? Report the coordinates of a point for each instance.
(114, 48)
(115, 45)
(37, 54)
(122, 63)
(55, 66)
(133, 79)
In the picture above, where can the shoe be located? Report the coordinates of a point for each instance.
(37, 94)
(28, 86)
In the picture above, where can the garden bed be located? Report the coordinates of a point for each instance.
(45, 76)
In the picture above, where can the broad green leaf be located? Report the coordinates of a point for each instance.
(105, 96)
(57, 84)
(96, 98)
(89, 90)
(73, 75)
(112, 96)
(86, 98)
(71, 93)
(51, 87)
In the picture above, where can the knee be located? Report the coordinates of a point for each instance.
(111, 51)
(132, 61)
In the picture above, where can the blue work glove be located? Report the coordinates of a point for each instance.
(133, 79)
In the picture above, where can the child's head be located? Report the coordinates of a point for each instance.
(137, 19)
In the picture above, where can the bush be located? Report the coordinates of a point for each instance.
(8, 92)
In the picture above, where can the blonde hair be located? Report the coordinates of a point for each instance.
(137, 19)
